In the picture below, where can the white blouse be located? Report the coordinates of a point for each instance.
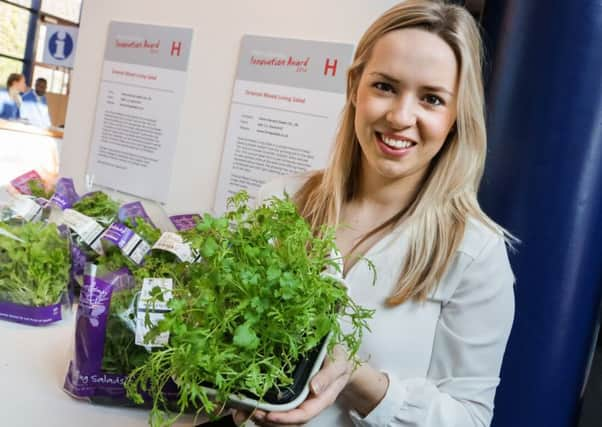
(442, 356)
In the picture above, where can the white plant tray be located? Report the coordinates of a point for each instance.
(240, 401)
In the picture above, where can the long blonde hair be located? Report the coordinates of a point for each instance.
(447, 198)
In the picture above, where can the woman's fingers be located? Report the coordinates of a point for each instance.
(258, 417)
(326, 386)
(240, 417)
(334, 368)
(309, 409)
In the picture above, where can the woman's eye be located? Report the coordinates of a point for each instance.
(433, 100)
(383, 87)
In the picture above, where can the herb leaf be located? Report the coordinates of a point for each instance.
(34, 272)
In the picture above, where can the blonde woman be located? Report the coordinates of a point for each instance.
(401, 187)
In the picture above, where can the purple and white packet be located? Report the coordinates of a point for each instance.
(131, 244)
(134, 210)
(21, 183)
(64, 195)
(85, 378)
(185, 222)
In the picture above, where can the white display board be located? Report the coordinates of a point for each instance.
(212, 67)
(142, 86)
(285, 107)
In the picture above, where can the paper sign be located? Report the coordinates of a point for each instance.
(287, 98)
(138, 108)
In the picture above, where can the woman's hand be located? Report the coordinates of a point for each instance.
(325, 387)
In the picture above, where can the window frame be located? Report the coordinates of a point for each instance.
(25, 60)
(37, 17)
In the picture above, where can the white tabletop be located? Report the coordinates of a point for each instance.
(33, 363)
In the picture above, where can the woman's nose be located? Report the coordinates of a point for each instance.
(402, 112)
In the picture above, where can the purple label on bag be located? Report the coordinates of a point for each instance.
(21, 182)
(81, 384)
(65, 195)
(42, 202)
(78, 260)
(118, 234)
(30, 315)
(130, 243)
(185, 222)
(133, 210)
(91, 323)
(63, 231)
(102, 384)
(85, 378)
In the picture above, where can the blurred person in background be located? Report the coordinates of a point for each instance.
(10, 99)
(35, 107)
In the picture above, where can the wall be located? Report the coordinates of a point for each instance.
(57, 108)
(218, 27)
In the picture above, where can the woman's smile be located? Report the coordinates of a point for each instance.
(394, 145)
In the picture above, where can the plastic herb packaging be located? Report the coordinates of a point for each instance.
(32, 184)
(28, 199)
(34, 272)
(87, 218)
(109, 324)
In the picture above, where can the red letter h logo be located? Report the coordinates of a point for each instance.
(332, 67)
(175, 48)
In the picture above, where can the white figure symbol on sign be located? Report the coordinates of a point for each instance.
(60, 45)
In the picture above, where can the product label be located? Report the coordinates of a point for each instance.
(65, 195)
(185, 222)
(21, 182)
(152, 309)
(26, 208)
(136, 248)
(94, 299)
(133, 210)
(30, 315)
(142, 328)
(173, 243)
(89, 230)
(131, 244)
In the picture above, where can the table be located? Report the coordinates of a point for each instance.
(24, 147)
(33, 363)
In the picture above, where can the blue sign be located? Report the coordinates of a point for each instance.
(60, 45)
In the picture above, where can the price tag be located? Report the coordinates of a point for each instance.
(26, 208)
(154, 309)
(173, 243)
(89, 230)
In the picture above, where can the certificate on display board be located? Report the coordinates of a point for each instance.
(285, 109)
(138, 108)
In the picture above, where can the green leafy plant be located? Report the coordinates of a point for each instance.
(35, 270)
(102, 209)
(250, 310)
(121, 354)
(98, 205)
(37, 189)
